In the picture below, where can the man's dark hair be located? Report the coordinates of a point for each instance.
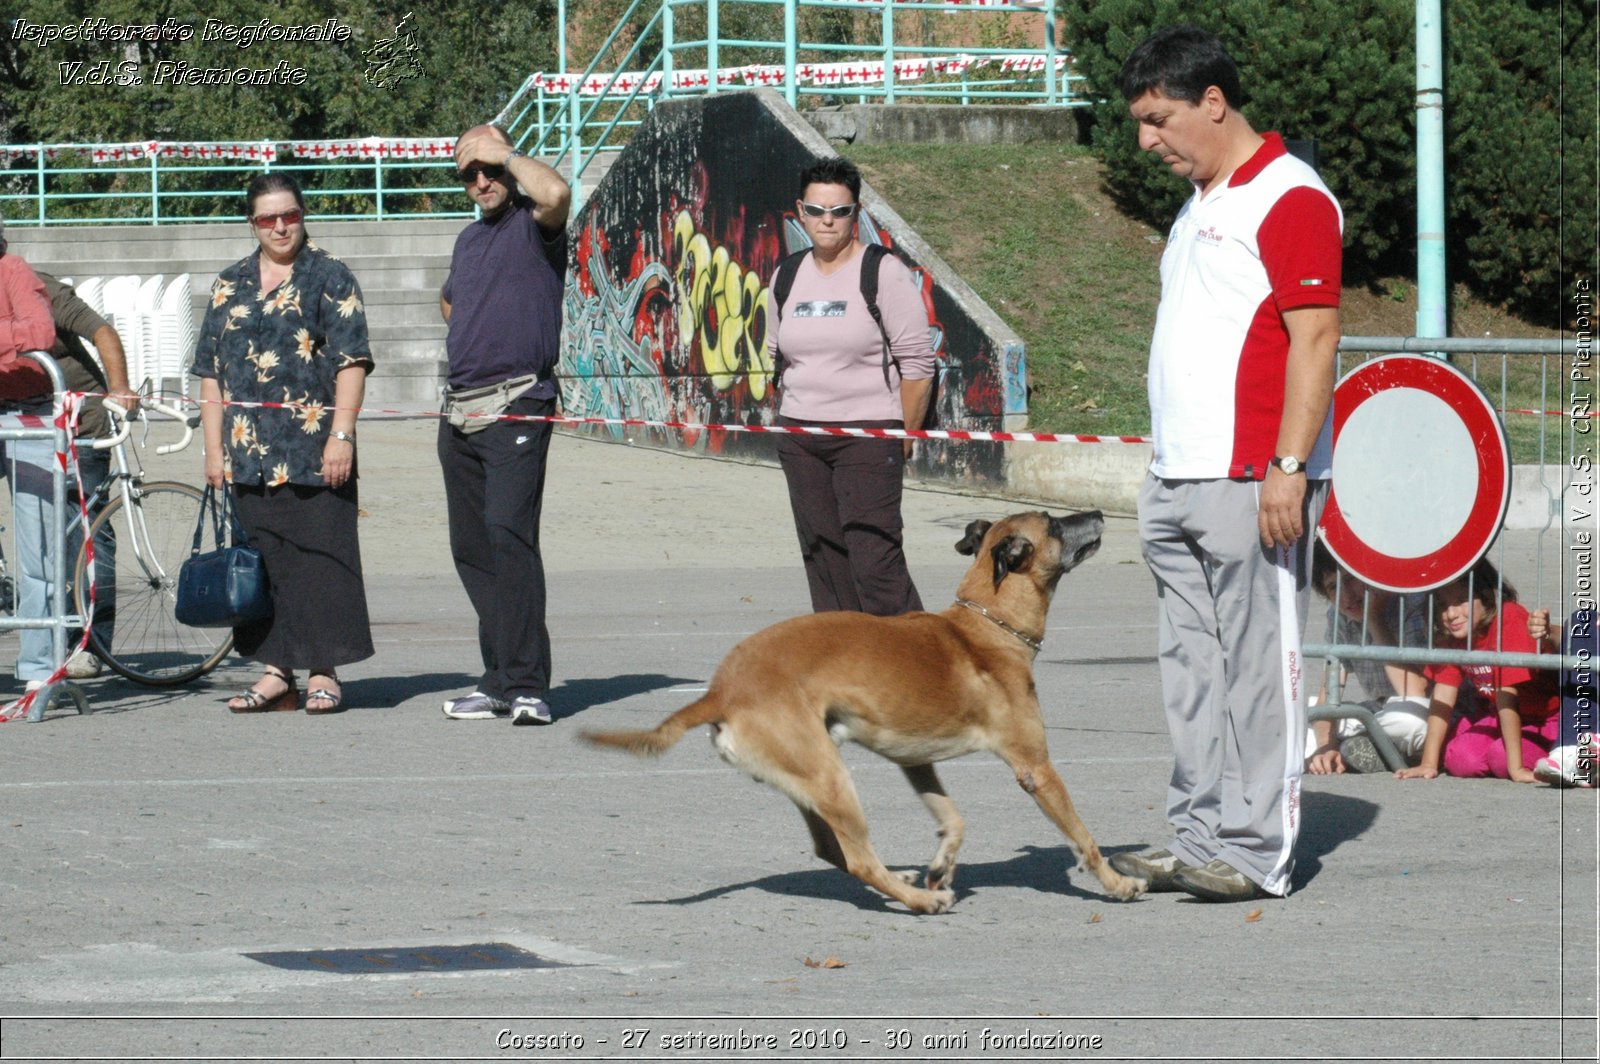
(834, 171)
(1180, 62)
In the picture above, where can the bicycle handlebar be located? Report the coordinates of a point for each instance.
(124, 425)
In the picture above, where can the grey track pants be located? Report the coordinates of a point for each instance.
(1232, 614)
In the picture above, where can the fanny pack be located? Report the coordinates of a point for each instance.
(475, 409)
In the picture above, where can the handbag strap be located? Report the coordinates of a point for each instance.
(208, 504)
(230, 516)
(223, 516)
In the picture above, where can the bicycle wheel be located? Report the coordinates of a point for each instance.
(135, 629)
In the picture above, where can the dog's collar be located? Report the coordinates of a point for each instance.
(1028, 639)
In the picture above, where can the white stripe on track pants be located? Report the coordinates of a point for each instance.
(1232, 614)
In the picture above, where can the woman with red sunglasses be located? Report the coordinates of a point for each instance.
(285, 327)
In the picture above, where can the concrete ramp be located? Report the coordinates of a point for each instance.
(666, 307)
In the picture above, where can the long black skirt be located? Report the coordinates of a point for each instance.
(307, 538)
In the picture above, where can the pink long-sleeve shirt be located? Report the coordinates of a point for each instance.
(833, 352)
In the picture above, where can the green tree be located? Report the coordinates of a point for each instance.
(1344, 82)
(1520, 126)
(1520, 148)
(472, 60)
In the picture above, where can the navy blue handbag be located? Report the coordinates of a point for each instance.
(227, 586)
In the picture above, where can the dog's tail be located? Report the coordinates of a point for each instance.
(660, 739)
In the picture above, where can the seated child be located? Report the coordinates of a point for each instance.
(1573, 761)
(1397, 694)
(1513, 721)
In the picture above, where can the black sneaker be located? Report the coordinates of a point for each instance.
(1360, 754)
(1155, 867)
(1217, 880)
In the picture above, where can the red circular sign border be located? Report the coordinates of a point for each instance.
(1483, 522)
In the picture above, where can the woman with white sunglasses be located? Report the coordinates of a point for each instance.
(840, 367)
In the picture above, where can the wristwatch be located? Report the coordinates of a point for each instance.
(347, 437)
(1289, 464)
(515, 153)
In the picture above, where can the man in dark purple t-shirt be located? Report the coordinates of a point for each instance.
(502, 302)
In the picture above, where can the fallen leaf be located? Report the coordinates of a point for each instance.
(831, 962)
(1253, 916)
(747, 598)
(1095, 919)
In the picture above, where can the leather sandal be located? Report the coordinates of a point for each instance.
(254, 701)
(324, 699)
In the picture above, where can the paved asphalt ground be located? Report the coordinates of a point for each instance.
(147, 851)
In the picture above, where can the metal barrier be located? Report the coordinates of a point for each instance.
(62, 616)
(148, 184)
(1534, 384)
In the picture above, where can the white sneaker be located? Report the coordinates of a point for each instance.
(84, 665)
(1566, 768)
(476, 706)
(530, 710)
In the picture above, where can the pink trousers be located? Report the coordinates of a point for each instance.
(1475, 747)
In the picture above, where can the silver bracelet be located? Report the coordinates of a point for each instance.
(347, 437)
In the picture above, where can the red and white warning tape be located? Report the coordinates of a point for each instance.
(67, 419)
(972, 435)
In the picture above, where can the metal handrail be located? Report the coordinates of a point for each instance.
(561, 127)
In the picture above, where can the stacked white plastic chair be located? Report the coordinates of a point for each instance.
(147, 306)
(89, 290)
(119, 305)
(175, 333)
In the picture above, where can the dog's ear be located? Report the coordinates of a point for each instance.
(1010, 554)
(970, 542)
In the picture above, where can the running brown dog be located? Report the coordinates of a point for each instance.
(919, 688)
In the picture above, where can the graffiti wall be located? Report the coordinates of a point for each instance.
(666, 302)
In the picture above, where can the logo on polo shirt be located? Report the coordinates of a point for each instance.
(1209, 234)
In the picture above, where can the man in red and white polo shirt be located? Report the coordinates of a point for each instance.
(1241, 375)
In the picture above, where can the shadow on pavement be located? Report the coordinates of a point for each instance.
(1040, 868)
(574, 696)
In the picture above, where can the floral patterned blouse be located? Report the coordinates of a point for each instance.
(284, 347)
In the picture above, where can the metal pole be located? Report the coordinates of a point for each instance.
(790, 52)
(1050, 53)
(561, 36)
(713, 50)
(888, 51)
(668, 38)
(39, 169)
(1432, 291)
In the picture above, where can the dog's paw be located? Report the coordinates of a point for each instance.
(941, 877)
(931, 901)
(910, 876)
(1125, 888)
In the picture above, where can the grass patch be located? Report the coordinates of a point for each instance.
(1029, 230)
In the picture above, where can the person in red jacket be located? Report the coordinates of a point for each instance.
(25, 322)
(26, 325)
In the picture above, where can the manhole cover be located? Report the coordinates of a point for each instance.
(487, 956)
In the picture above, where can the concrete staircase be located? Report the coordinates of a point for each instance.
(400, 265)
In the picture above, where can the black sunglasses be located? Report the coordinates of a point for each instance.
(470, 174)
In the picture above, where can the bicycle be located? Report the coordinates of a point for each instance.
(150, 527)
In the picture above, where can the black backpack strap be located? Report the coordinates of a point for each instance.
(781, 285)
(871, 262)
